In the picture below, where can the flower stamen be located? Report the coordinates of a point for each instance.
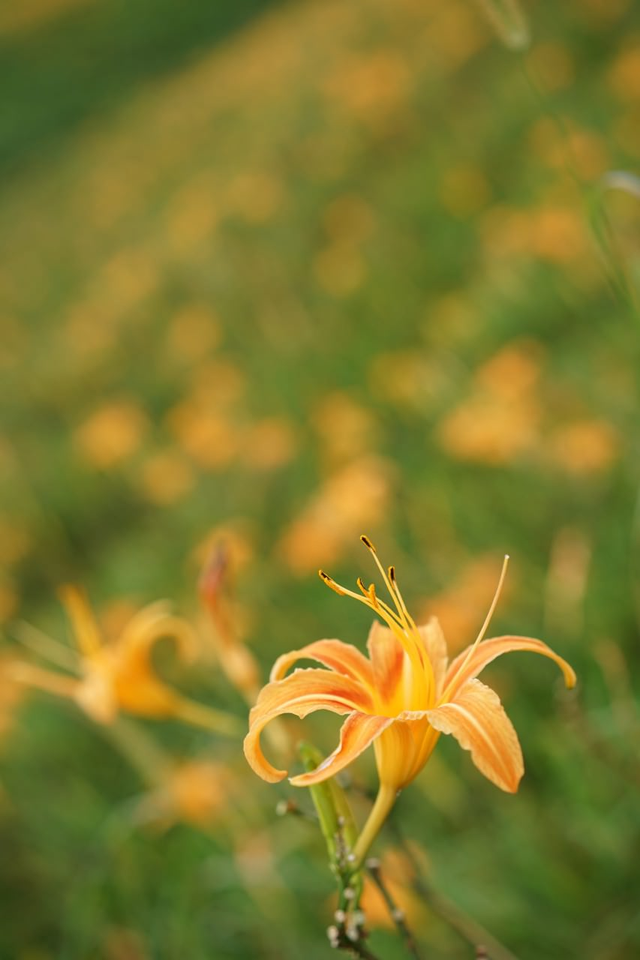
(483, 629)
(404, 618)
(399, 622)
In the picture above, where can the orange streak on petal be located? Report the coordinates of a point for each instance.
(341, 657)
(436, 647)
(460, 671)
(387, 660)
(476, 718)
(358, 731)
(404, 748)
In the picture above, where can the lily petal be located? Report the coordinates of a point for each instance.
(476, 718)
(138, 687)
(404, 748)
(436, 647)
(342, 657)
(358, 732)
(462, 669)
(301, 693)
(387, 659)
(83, 622)
(151, 624)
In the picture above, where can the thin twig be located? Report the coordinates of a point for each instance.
(397, 914)
(290, 808)
(339, 939)
(468, 928)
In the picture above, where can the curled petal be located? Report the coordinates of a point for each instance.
(463, 669)
(436, 647)
(358, 731)
(138, 688)
(301, 693)
(309, 684)
(476, 718)
(151, 624)
(341, 657)
(387, 659)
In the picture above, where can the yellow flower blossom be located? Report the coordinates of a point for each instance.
(119, 675)
(400, 699)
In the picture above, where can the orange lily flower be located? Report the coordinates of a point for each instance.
(400, 699)
(235, 658)
(119, 676)
(192, 791)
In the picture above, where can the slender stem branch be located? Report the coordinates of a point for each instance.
(364, 953)
(200, 715)
(355, 948)
(50, 681)
(290, 808)
(397, 914)
(468, 928)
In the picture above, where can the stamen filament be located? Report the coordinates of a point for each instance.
(378, 606)
(399, 622)
(405, 619)
(46, 647)
(34, 676)
(483, 629)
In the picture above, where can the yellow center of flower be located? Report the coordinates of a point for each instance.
(421, 690)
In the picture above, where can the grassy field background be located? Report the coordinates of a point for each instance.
(283, 274)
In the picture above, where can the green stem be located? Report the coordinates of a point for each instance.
(379, 813)
(200, 715)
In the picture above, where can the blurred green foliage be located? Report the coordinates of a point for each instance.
(326, 274)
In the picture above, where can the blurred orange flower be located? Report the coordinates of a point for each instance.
(345, 429)
(11, 694)
(120, 675)
(586, 446)
(194, 791)
(499, 421)
(111, 434)
(400, 700)
(370, 86)
(350, 498)
(269, 443)
(398, 872)
(167, 477)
